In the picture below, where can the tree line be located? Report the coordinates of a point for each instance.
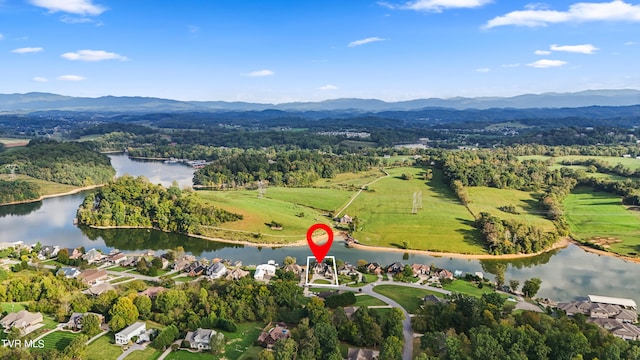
(136, 202)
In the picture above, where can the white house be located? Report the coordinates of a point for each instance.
(216, 270)
(135, 329)
(69, 272)
(264, 270)
(200, 339)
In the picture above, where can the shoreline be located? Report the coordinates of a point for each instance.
(49, 196)
(560, 244)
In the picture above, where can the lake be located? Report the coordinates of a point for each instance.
(565, 273)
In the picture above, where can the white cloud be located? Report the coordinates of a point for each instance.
(77, 20)
(364, 41)
(436, 5)
(628, 43)
(581, 49)
(71, 78)
(93, 55)
(510, 65)
(39, 79)
(1, 36)
(483, 70)
(27, 50)
(546, 63)
(616, 10)
(260, 73)
(328, 87)
(80, 7)
(542, 52)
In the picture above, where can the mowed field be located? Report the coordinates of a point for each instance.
(601, 218)
(11, 142)
(257, 213)
(486, 199)
(386, 219)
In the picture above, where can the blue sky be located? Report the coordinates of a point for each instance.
(280, 51)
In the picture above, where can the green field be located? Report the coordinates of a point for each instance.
(58, 340)
(486, 199)
(147, 354)
(103, 349)
(601, 218)
(349, 180)
(631, 163)
(409, 298)
(46, 187)
(295, 219)
(12, 306)
(368, 300)
(443, 223)
(186, 355)
(240, 344)
(467, 288)
(321, 199)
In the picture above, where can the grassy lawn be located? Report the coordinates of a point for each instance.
(49, 323)
(443, 224)
(369, 278)
(467, 288)
(368, 300)
(409, 298)
(350, 180)
(147, 354)
(58, 340)
(601, 218)
(486, 199)
(322, 282)
(120, 268)
(241, 341)
(184, 278)
(103, 349)
(12, 306)
(186, 355)
(119, 280)
(295, 219)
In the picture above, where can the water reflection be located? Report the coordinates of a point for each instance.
(19, 209)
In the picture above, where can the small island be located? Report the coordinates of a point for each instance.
(135, 202)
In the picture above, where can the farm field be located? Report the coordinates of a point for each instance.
(46, 187)
(409, 298)
(12, 142)
(295, 219)
(321, 199)
(601, 218)
(386, 219)
(486, 199)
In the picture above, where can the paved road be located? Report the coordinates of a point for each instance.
(131, 349)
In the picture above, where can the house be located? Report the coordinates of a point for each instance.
(96, 290)
(347, 269)
(350, 310)
(237, 274)
(181, 264)
(48, 251)
(264, 271)
(117, 258)
(479, 274)
(74, 254)
(362, 354)
(197, 271)
(294, 268)
(374, 268)
(192, 266)
(321, 268)
(458, 273)
(92, 256)
(200, 339)
(622, 330)
(165, 263)
(268, 338)
(444, 274)
(627, 316)
(93, 276)
(420, 269)
(23, 320)
(216, 270)
(68, 272)
(135, 329)
(153, 291)
(76, 319)
(395, 268)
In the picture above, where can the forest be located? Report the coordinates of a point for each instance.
(17, 190)
(483, 328)
(69, 163)
(135, 202)
(288, 168)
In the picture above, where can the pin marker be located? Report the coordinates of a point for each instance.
(319, 251)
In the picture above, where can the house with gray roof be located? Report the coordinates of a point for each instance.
(200, 339)
(136, 329)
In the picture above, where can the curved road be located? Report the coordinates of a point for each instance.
(407, 352)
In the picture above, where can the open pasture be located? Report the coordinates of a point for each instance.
(386, 218)
(601, 218)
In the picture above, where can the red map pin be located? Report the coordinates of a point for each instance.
(319, 251)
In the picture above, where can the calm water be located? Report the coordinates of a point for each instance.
(565, 273)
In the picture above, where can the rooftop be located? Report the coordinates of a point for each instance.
(613, 300)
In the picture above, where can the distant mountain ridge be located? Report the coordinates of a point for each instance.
(45, 101)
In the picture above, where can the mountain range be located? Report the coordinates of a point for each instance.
(29, 102)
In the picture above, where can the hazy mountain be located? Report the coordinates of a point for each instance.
(44, 101)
